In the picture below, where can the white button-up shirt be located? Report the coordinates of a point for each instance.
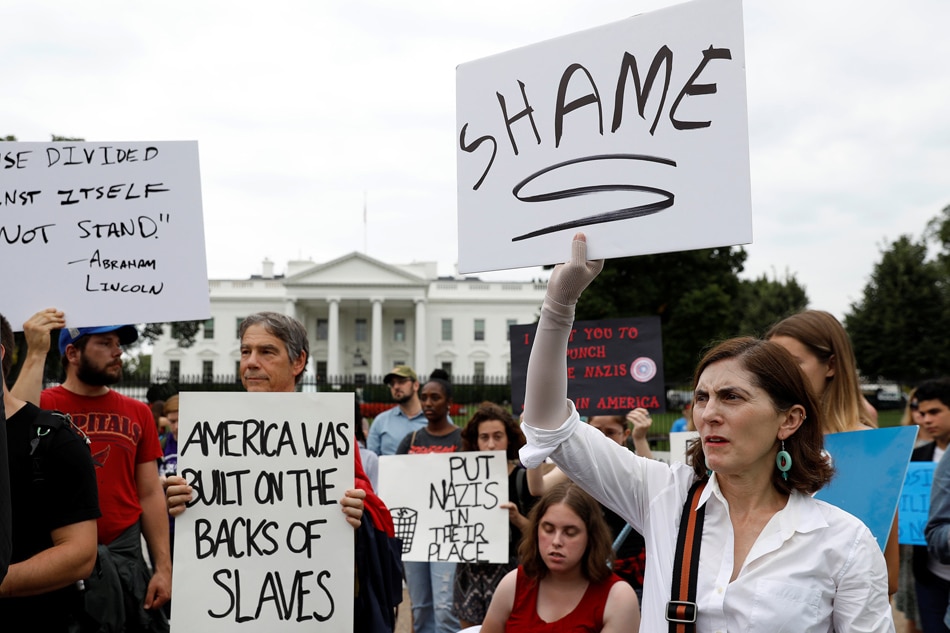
(813, 568)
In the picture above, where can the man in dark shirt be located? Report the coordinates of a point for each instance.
(54, 505)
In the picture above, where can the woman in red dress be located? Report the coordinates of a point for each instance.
(564, 583)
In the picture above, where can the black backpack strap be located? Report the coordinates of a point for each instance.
(45, 425)
(681, 610)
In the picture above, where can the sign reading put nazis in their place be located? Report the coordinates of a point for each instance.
(446, 507)
(613, 365)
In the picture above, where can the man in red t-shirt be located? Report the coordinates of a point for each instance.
(125, 449)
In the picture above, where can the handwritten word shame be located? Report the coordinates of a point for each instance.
(305, 597)
(576, 78)
(240, 438)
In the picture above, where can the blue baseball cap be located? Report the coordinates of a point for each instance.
(69, 335)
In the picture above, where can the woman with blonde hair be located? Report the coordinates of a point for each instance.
(823, 350)
(821, 347)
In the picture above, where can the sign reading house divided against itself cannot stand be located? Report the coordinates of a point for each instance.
(446, 507)
(263, 545)
(108, 232)
(635, 133)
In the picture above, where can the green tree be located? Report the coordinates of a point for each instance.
(899, 327)
(765, 301)
(693, 292)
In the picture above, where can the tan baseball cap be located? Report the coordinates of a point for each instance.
(401, 371)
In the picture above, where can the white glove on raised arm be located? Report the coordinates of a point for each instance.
(546, 384)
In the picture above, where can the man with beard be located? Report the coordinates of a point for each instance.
(125, 449)
(391, 426)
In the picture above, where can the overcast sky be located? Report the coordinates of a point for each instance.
(304, 109)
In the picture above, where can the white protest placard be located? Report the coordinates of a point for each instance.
(445, 506)
(108, 232)
(635, 133)
(263, 545)
(679, 443)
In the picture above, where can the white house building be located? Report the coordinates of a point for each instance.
(363, 317)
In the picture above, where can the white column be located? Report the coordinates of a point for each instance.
(376, 341)
(333, 337)
(290, 307)
(420, 363)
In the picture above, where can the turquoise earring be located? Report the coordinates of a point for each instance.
(783, 461)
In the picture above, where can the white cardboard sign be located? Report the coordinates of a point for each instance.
(108, 232)
(264, 545)
(635, 133)
(445, 506)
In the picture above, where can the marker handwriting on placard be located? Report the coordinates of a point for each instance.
(288, 602)
(131, 191)
(576, 78)
(19, 197)
(240, 438)
(224, 488)
(466, 488)
(69, 155)
(628, 69)
(15, 235)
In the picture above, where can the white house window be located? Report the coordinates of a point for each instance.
(323, 329)
(479, 329)
(209, 328)
(207, 371)
(508, 325)
(446, 329)
(361, 330)
(399, 330)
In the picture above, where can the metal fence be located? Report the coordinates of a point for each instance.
(467, 393)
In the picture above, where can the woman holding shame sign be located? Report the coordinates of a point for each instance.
(737, 526)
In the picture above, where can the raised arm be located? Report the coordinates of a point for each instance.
(540, 481)
(640, 420)
(36, 331)
(546, 404)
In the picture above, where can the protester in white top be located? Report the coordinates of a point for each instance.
(772, 557)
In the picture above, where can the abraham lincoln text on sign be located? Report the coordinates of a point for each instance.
(104, 228)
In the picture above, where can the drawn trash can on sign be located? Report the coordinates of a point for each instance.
(404, 520)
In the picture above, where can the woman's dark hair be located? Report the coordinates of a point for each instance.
(445, 384)
(599, 552)
(490, 411)
(775, 371)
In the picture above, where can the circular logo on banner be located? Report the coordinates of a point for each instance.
(643, 369)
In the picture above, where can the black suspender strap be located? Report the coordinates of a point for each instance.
(681, 609)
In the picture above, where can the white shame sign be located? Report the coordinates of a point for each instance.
(635, 133)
